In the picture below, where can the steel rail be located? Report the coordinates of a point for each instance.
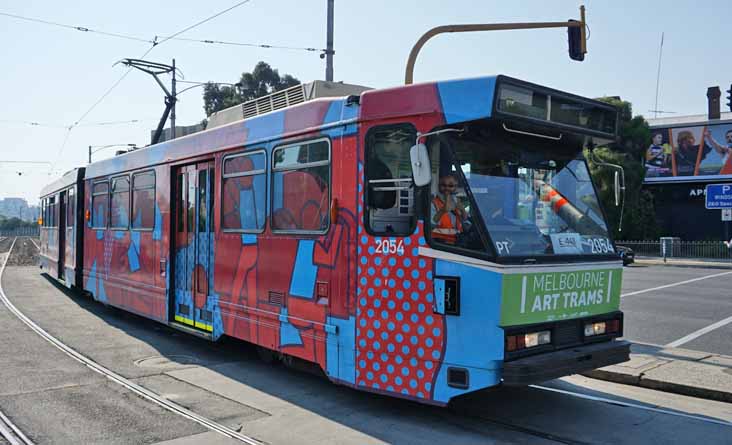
(12, 433)
(116, 378)
(34, 243)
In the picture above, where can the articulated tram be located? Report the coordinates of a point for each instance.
(423, 241)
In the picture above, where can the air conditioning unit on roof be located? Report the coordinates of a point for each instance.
(283, 99)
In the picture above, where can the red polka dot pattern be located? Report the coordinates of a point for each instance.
(399, 339)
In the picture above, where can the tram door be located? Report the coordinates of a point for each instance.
(63, 202)
(193, 248)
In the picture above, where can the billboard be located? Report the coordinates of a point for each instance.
(694, 152)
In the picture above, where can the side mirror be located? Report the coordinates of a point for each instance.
(421, 169)
(617, 188)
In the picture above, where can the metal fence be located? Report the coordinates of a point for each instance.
(717, 250)
(24, 231)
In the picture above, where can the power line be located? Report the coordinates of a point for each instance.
(77, 28)
(251, 45)
(90, 124)
(183, 39)
(155, 43)
(203, 21)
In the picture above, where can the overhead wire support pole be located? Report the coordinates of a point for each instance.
(409, 74)
(154, 69)
(329, 44)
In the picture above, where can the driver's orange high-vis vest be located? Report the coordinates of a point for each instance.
(449, 224)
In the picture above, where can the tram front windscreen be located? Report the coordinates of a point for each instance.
(527, 200)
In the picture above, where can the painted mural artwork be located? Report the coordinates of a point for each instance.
(265, 230)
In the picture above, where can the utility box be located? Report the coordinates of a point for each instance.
(670, 246)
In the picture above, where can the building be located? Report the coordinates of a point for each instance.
(686, 154)
(18, 208)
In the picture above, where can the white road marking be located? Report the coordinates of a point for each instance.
(675, 284)
(632, 405)
(696, 334)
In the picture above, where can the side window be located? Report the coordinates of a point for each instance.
(120, 204)
(44, 220)
(244, 197)
(143, 200)
(52, 211)
(70, 208)
(390, 200)
(100, 205)
(301, 187)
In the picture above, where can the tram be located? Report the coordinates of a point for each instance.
(422, 242)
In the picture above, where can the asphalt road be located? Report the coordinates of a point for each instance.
(54, 399)
(664, 316)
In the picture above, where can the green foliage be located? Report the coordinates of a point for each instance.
(261, 81)
(639, 218)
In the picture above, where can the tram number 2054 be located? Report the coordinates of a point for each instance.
(390, 246)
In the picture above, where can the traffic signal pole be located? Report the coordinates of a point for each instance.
(582, 44)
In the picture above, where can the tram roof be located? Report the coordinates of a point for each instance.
(69, 178)
(456, 101)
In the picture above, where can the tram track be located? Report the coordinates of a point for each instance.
(116, 378)
(11, 433)
(466, 412)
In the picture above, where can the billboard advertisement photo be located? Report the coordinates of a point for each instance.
(701, 152)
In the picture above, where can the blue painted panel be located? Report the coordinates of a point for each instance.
(473, 339)
(341, 351)
(265, 126)
(248, 239)
(338, 112)
(133, 252)
(439, 295)
(289, 334)
(467, 99)
(305, 272)
(158, 229)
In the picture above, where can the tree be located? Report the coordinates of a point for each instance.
(261, 81)
(639, 219)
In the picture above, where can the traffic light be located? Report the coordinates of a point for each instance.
(574, 36)
(729, 98)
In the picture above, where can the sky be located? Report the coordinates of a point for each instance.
(55, 76)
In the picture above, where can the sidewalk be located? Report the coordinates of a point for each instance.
(684, 262)
(681, 371)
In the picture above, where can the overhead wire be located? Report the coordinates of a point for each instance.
(77, 28)
(90, 124)
(155, 43)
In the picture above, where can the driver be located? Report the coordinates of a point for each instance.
(448, 215)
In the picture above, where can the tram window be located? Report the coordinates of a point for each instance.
(100, 205)
(202, 207)
(301, 187)
(43, 212)
(52, 211)
(390, 200)
(70, 208)
(143, 200)
(120, 203)
(244, 194)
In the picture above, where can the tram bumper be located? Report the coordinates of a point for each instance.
(551, 365)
